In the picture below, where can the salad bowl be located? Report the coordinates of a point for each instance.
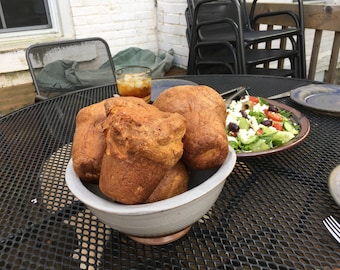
(295, 117)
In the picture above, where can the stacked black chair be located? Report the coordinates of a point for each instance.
(221, 39)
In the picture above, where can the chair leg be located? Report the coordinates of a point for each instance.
(302, 51)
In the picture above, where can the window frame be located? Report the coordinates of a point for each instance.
(58, 26)
(30, 27)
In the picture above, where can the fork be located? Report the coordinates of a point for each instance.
(333, 227)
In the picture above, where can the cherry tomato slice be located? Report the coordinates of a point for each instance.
(274, 116)
(254, 99)
(278, 126)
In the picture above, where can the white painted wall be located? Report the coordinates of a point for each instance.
(171, 27)
(157, 25)
(121, 23)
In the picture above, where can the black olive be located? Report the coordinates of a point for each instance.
(244, 114)
(267, 122)
(273, 108)
(233, 127)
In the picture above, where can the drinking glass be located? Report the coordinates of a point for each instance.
(134, 81)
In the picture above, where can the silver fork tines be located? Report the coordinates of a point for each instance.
(333, 227)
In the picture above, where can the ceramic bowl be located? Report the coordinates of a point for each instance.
(160, 218)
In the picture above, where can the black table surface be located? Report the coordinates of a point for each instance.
(268, 216)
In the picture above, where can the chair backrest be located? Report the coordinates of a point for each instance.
(209, 17)
(295, 17)
(208, 10)
(215, 57)
(59, 67)
(221, 17)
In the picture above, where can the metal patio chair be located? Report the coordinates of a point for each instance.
(68, 65)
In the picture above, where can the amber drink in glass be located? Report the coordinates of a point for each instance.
(134, 81)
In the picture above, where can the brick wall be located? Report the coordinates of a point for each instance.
(157, 25)
(171, 26)
(121, 23)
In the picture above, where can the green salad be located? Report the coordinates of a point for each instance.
(254, 125)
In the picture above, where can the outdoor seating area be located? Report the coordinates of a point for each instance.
(269, 214)
(206, 54)
(217, 149)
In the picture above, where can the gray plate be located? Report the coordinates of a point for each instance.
(334, 184)
(323, 98)
(158, 86)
